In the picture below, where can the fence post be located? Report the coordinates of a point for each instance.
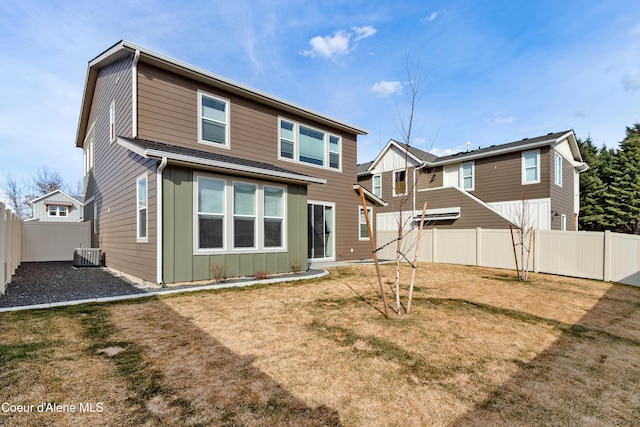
(478, 246)
(536, 250)
(434, 245)
(606, 268)
(3, 269)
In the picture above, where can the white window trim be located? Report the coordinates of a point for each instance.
(473, 176)
(373, 184)
(563, 222)
(296, 146)
(88, 146)
(283, 218)
(196, 223)
(227, 222)
(393, 180)
(254, 217)
(227, 144)
(139, 238)
(360, 211)
(558, 170)
(333, 210)
(112, 121)
(524, 170)
(58, 210)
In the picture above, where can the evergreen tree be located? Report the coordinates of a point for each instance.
(591, 188)
(622, 196)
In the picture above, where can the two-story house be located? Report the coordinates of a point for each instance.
(186, 170)
(480, 188)
(57, 206)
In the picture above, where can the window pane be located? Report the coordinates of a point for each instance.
(210, 196)
(467, 170)
(530, 160)
(376, 185)
(244, 199)
(286, 149)
(328, 231)
(214, 109)
(63, 211)
(334, 144)
(273, 201)
(399, 182)
(311, 146)
(272, 233)
(364, 232)
(142, 193)
(468, 183)
(213, 132)
(334, 160)
(53, 211)
(210, 232)
(286, 130)
(244, 231)
(142, 223)
(531, 175)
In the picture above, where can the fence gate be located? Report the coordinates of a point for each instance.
(54, 241)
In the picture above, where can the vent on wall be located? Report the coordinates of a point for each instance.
(86, 257)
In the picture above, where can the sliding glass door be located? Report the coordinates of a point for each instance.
(320, 234)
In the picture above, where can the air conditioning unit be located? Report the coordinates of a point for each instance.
(86, 257)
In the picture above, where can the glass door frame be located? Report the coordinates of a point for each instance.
(332, 231)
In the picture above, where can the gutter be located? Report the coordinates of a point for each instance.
(159, 224)
(134, 95)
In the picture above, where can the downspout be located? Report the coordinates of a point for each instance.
(159, 224)
(134, 95)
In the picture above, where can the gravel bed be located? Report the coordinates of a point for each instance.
(49, 282)
(53, 282)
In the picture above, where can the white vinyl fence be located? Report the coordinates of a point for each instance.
(53, 241)
(10, 245)
(604, 256)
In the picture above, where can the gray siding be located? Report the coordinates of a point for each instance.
(167, 112)
(115, 172)
(75, 210)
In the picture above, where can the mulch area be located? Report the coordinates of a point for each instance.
(49, 282)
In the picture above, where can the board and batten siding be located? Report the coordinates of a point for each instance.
(115, 172)
(180, 263)
(167, 112)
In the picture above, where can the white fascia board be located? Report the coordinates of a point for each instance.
(463, 159)
(233, 85)
(392, 143)
(370, 195)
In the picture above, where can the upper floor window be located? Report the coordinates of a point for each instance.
(558, 170)
(531, 167)
(399, 183)
(112, 121)
(88, 150)
(213, 120)
(55, 210)
(467, 177)
(308, 145)
(377, 185)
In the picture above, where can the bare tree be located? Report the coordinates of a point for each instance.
(15, 189)
(46, 181)
(522, 239)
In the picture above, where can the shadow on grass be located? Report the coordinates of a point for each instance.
(589, 376)
(180, 374)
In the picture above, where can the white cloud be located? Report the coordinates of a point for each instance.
(631, 80)
(384, 88)
(441, 152)
(431, 17)
(584, 111)
(340, 44)
(364, 32)
(500, 119)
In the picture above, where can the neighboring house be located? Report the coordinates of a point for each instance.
(483, 187)
(57, 206)
(187, 171)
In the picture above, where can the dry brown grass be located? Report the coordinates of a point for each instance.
(478, 349)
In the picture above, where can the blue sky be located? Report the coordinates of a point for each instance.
(496, 71)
